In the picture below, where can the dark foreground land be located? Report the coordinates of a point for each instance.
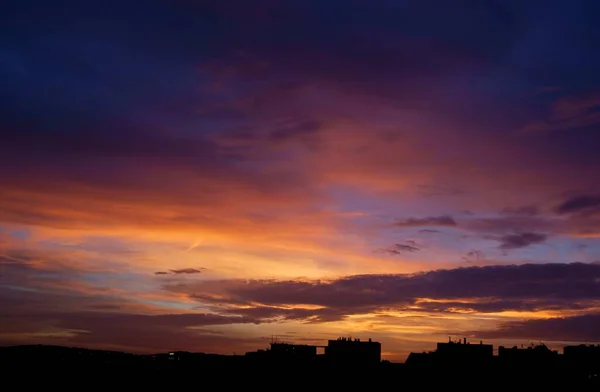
(69, 369)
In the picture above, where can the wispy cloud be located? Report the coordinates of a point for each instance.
(580, 204)
(400, 248)
(443, 220)
(185, 271)
(521, 240)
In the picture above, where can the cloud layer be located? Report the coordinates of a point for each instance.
(296, 162)
(492, 289)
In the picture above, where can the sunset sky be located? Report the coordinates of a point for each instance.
(203, 175)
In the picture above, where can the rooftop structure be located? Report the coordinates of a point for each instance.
(353, 352)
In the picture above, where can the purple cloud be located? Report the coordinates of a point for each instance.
(401, 248)
(521, 240)
(490, 288)
(443, 220)
(575, 329)
(579, 204)
(522, 210)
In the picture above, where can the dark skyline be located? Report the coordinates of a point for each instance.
(202, 175)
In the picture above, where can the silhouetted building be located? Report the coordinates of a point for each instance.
(582, 353)
(536, 366)
(453, 354)
(527, 357)
(284, 354)
(457, 353)
(296, 351)
(420, 360)
(584, 358)
(347, 352)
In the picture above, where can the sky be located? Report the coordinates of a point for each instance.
(207, 175)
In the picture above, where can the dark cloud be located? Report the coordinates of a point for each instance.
(495, 288)
(187, 271)
(579, 204)
(182, 271)
(106, 306)
(438, 190)
(473, 256)
(443, 220)
(428, 231)
(511, 225)
(401, 248)
(571, 112)
(583, 328)
(281, 134)
(475, 253)
(521, 240)
(95, 319)
(498, 305)
(323, 315)
(113, 127)
(507, 225)
(131, 332)
(305, 129)
(523, 210)
(406, 248)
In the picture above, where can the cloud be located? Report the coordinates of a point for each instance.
(489, 288)
(130, 332)
(522, 210)
(506, 225)
(571, 111)
(313, 316)
(497, 305)
(91, 321)
(304, 129)
(583, 328)
(401, 248)
(65, 307)
(475, 253)
(187, 271)
(583, 224)
(521, 240)
(436, 190)
(273, 149)
(182, 271)
(443, 220)
(473, 256)
(579, 204)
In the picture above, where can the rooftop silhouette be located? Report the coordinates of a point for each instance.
(578, 366)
